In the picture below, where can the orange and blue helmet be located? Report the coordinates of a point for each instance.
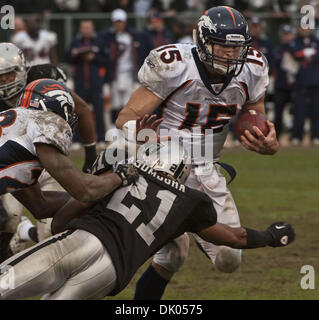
(49, 95)
(224, 26)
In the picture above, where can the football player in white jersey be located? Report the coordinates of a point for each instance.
(14, 76)
(38, 45)
(36, 136)
(199, 89)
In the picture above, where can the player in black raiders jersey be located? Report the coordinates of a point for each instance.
(14, 77)
(101, 250)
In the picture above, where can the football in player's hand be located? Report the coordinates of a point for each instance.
(247, 120)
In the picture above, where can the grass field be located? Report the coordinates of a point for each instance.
(266, 189)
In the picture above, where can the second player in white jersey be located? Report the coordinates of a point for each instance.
(36, 50)
(174, 73)
(20, 130)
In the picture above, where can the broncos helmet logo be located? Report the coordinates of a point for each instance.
(64, 98)
(49, 95)
(205, 22)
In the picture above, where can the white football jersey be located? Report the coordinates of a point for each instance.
(190, 109)
(20, 129)
(36, 51)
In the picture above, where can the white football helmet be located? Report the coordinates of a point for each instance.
(168, 157)
(12, 59)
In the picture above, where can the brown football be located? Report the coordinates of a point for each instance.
(247, 120)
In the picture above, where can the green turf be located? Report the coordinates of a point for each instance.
(266, 189)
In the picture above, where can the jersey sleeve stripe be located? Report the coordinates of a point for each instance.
(245, 88)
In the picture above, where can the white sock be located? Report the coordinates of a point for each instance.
(24, 231)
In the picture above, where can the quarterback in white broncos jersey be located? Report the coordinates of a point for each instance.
(198, 89)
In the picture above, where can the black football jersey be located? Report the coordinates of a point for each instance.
(135, 221)
(38, 72)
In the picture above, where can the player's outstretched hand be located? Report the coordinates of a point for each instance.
(148, 122)
(127, 172)
(282, 234)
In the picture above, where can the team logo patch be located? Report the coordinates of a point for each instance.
(284, 240)
(206, 22)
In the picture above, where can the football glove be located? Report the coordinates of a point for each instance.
(105, 160)
(100, 164)
(282, 234)
(46, 71)
(127, 172)
(90, 157)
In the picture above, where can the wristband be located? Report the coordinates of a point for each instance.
(257, 239)
(90, 153)
(89, 144)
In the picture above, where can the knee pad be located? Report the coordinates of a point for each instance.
(174, 254)
(228, 259)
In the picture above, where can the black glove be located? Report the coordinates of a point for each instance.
(101, 165)
(282, 234)
(46, 71)
(90, 156)
(127, 172)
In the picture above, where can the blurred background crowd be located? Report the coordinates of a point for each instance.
(101, 44)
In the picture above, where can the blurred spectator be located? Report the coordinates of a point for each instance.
(264, 44)
(111, 5)
(169, 7)
(128, 49)
(182, 32)
(261, 41)
(38, 45)
(67, 5)
(284, 74)
(197, 5)
(32, 6)
(157, 31)
(142, 7)
(306, 90)
(284, 8)
(96, 6)
(86, 54)
(261, 6)
(19, 25)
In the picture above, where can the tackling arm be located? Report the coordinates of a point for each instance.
(277, 235)
(42, 204)
(83, 187)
